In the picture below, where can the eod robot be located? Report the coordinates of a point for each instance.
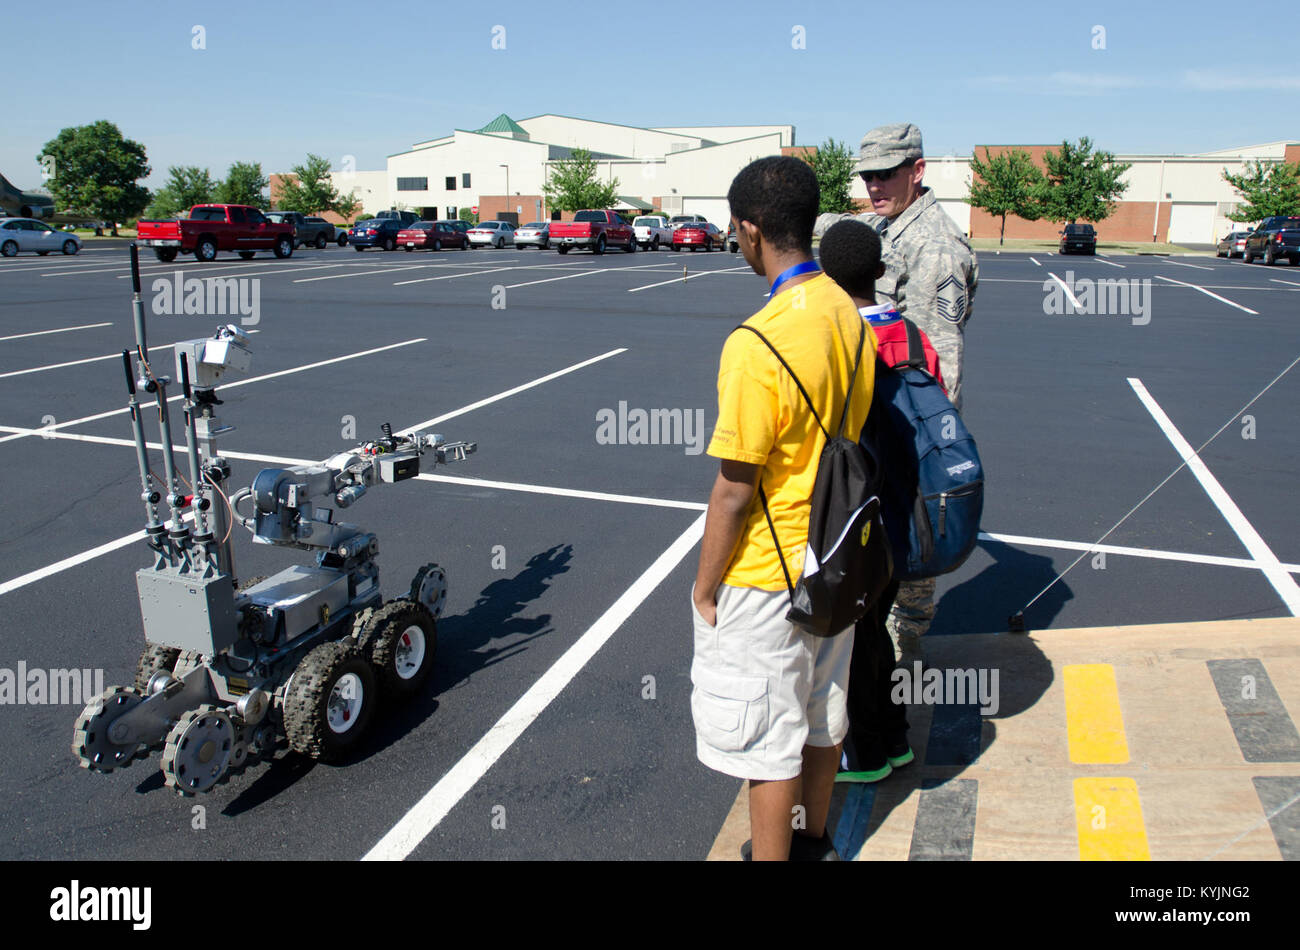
(304, 654)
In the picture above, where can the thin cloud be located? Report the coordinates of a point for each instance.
(1070, 83)
(1227, 82)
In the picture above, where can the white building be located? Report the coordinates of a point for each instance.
(502, 166)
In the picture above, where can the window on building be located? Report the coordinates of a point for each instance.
(413, 184)
(451, 182)
(464, 180)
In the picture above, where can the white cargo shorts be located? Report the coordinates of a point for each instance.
(762, 689)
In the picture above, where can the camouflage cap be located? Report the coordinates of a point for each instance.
(888, 146)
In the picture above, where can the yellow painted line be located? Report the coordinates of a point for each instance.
(1108, 814)
(1093, 719)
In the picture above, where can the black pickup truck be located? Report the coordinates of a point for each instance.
(314, 231)
(1278, 236)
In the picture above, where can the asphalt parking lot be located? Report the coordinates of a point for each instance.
(536, 736)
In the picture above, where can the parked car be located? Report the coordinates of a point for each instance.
(377, 232)
(28, 234)
(535, 234)
(1278, 236)
(678, 220)
(432, 236)
(314, 231)
(1232, 244)
(1078, 237)
(595, 230)
(210, 228)
(651, 231)
(693, 234)
(733, 243)
(406, 217)
(492, 233)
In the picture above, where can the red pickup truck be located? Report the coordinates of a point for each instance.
(593, 229)
(212, 228)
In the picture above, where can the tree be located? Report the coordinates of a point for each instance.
(243, 185)
(466, 214)
(1268, 189)
(95, 172)
(1080, 185)
(186, 185)
(1006, 184)
(833, 165)
(347, 205)
(309, 189)
(573, 184)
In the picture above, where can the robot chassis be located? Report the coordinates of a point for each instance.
(302, 655)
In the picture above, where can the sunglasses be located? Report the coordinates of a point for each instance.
(887, 174)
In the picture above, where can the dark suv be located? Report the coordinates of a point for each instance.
(1079, 237)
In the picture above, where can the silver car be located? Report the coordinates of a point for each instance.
(492, 234)
(537, 234)
(28, 234)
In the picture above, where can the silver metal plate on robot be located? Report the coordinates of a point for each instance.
(300, 592)
(188, 612)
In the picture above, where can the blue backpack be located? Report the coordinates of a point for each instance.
(933, 483)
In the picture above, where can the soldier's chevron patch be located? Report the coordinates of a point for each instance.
(950, 299)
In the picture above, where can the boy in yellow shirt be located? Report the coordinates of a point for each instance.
(768, 699)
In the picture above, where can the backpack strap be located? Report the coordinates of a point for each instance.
(915, 348)
(762, 495)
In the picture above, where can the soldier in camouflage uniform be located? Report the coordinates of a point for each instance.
(930, 276)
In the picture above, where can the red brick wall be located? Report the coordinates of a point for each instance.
(1131, 220)
(491, 206)
(1292, 153)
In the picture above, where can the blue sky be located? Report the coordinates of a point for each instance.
(279, 80)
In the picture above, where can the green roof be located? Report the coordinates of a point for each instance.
(502, 123)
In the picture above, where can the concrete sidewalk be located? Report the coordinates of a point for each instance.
(1164, 742)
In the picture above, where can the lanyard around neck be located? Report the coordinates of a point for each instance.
(804, 267)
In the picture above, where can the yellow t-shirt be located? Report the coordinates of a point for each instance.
(764, 420)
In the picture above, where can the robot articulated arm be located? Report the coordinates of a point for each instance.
(286, 515)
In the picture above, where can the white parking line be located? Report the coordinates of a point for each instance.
(89, 359)
(1053, 543)
(31, 577)
(1111, 263)
(1209, 294)
(547, 280)
(362, 273)
(1035, 262)
(1151, 553)
(689, 276)
(84, 326)
(1069, 293)
(510, 392)
(1289, 283)
(222, 388)
(1179, 264)
(1268, 562)
(208, 275)
(416, 824)
(472, 273)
